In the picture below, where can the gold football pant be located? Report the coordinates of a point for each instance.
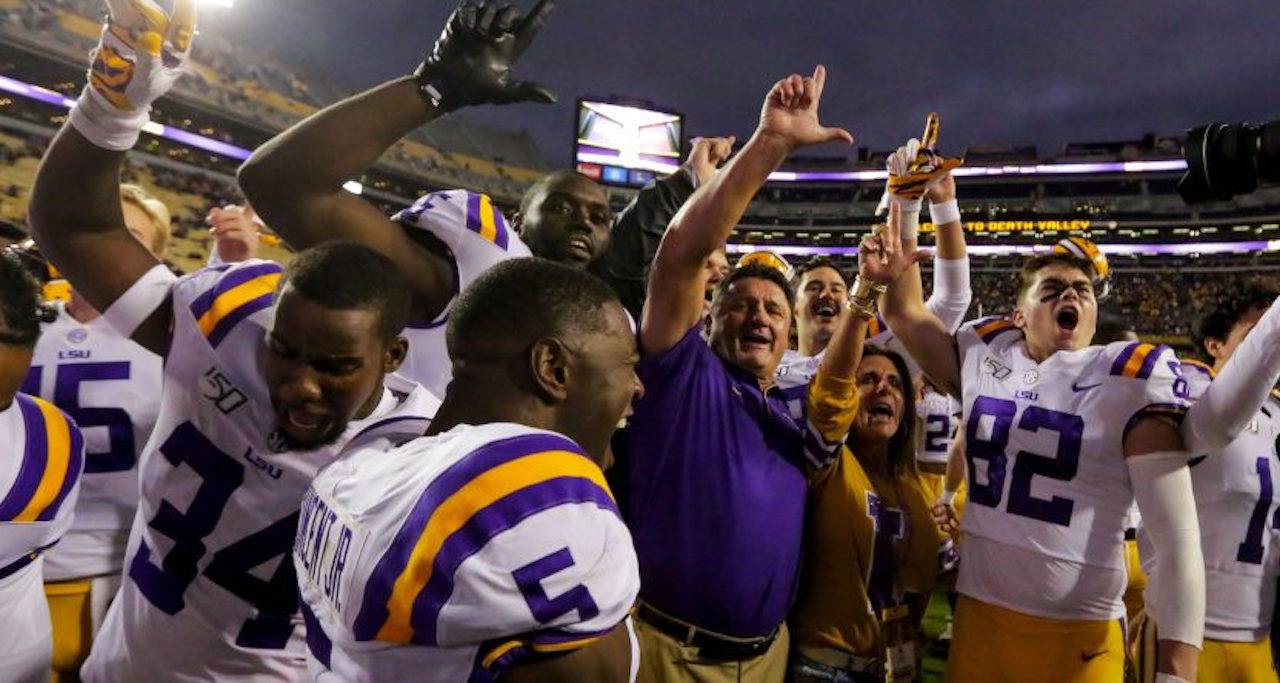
(76, 609)
(992, 644)
(1220, 660)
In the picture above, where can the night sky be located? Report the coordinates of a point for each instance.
(1000, 72)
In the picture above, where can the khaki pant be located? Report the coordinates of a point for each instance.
(664, 660)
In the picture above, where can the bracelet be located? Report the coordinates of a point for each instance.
(946, 212)
(866, 291)
(864, 310)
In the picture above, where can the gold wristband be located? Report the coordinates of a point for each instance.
(867, 291)
(866, 310)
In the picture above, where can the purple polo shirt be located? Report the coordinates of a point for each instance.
(717, 494)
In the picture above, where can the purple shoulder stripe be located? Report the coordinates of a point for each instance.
(484, 525)
(229, 281)
(373, 608)
(1117, 367)
(1149, 363)
(35, 458)
(230, 320)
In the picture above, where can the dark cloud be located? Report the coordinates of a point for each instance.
(999, 71)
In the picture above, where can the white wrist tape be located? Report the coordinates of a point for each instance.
(1170, 678)
(948, 497)
(1176, 591)
(137, 304)
(106, 126)
(946, 212)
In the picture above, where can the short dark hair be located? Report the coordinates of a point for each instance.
(761, 271)
(20, 307)
(1035, 264)
(902, 445)
(815, 263)
(523, 300)
(526, 200)
(344, 275)
(1218, 324)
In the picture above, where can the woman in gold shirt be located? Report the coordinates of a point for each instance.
(874, 552)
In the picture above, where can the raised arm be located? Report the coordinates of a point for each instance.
(75, 210)
(1236, 394)
(639, 227)
(788, 120)
(913, 169)
(1157, 462)
(295, 180)
(951, 293)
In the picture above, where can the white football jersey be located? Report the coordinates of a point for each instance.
(1236, 500)
(41, 458)
(939, 414)
(208, 591)
(452, 557)
(478, 237)
(1049, 491)
(111, 387)
(797, 370)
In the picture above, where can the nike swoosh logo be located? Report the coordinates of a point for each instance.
(1090, 656)
(1077, 387)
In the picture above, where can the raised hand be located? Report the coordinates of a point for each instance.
(790, 112)
(235, 235)
(471, 62)
(140, 56)
(707, 155)
(916, 167)
(881, 258)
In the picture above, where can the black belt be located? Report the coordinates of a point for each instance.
(13, 567)
(1130, 534)
(710, 645)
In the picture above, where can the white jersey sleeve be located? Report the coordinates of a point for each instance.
(41, 458)
(1236, 501)
(478, 237)
(111, 386)
(460, 554)
(1049, 491)
(207, 570)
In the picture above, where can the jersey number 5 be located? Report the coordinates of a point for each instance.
(1062, 465)
(119, 456)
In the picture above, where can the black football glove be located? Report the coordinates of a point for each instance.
(471, 61)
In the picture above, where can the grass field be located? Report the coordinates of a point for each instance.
(935, 620)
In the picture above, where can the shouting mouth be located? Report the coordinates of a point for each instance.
(881, 412)
(753, 340)
(1068, 317)
(824, 310)
(580, 246)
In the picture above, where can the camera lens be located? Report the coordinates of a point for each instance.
(1226, 160)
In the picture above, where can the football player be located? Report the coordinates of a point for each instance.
(492, 547)
(111, 386)
(267, 373)
(41, 458)
(1061, 437)
(447, 239)
(822, 289)
(1232, 429)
